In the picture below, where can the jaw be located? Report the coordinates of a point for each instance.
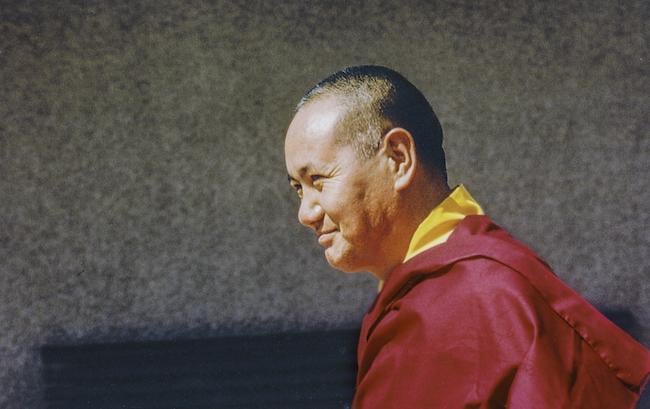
(343, 257)
(375, 251)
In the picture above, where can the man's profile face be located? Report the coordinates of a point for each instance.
(344, 199)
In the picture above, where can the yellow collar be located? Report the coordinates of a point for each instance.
(440, 223)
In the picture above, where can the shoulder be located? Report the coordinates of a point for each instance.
(479, 261)
(477, 301)
(473, 323)
(476, 280)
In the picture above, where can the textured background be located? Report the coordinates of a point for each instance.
(143, 192)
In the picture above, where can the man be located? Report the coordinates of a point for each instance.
(467, 317)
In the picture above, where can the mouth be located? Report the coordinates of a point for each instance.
(325, 238)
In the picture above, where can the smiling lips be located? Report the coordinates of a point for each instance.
(325, 238)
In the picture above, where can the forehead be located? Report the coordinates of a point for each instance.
(312, 133)
(316, 119)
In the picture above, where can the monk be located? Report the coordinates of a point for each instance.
(466, 316)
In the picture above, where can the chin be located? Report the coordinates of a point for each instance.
(346, 269)
(342, 263)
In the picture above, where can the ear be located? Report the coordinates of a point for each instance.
(399, 148)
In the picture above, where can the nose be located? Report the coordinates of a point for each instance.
(310, 213)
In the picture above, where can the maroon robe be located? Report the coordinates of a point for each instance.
(481, 322)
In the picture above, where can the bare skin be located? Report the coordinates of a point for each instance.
(363, 211)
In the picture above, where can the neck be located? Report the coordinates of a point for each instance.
(415, 205)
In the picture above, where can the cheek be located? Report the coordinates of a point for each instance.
(335, 204)
(351, 209)
(356, 223)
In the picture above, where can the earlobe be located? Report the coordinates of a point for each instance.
(399, 148)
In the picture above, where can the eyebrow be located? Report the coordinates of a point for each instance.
(301, 171)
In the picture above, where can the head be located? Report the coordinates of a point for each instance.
(376, 100)
(364, 152)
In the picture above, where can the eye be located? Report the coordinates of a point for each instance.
(298, 188)
(316, 180)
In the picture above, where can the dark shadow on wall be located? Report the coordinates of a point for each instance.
(291, 370)
(627, 321)
(624, 319)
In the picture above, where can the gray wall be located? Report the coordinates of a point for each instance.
(143, 193)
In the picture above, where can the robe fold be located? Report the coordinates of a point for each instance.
(481, 322)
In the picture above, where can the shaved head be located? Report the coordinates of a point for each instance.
(377, 99)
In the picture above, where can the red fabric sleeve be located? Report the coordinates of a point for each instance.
(479, 336)
(421, 355)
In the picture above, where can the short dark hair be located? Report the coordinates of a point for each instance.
(378, 99)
